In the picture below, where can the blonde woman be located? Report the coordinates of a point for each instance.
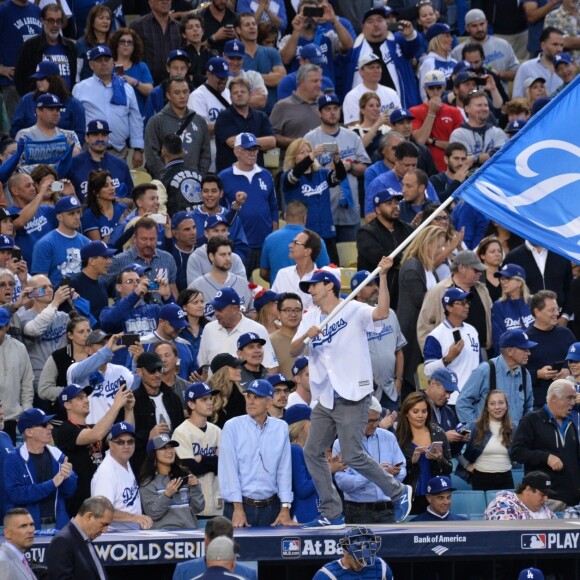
(230, 401)
(439, 54)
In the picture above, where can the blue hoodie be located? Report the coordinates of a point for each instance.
(506, 314)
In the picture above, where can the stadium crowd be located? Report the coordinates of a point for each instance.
(187, 190)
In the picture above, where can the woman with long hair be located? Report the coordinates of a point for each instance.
(266, 305)
(512, 310)
(103, 212)
(230, 401)
(48, 80)
(534, 89)
(424, 445)
(488, 448)
(127, 48)
(97, 31)
(372, 123)
(416, 276)
(508, 240)
(440, 43)
(490, 253)
(193, 302)
(170, 495)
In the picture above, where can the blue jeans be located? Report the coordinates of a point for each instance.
(256, 516)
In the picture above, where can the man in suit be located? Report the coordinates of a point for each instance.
(18, 537)
(71, 553)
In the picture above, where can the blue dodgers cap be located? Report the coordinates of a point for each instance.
(213, 220)
(400, 115)
(122, 428)
(462, 66)
(574, 352)
(299, 364)
(454, 294)
(33, 418)
(48, 101)
(330, 99)
(465, 76)
(319, 276)
(261, 388)
(234, 48)
(72, 391)
(99, 51)
(438, 484)
(264, 298)
(359, 277)
(175, 315)
(160, 441)
(97, 126)
(437, 29)
(248, 338)
(562, 58)
(219, 67)
(177, 54)
(67, 203)
(178, 218)
(4, 317)
(225, 297)
(280, 379)
(447, 378)
(509, 271)
(297, 413)
(246, 141)
(134, 267)
(97, 249)
(516, 338)
(6, 214)
(6, 242)
(312, 53)
(383, 11)
(531, 574)
(198, 390)
(385, 195)
(515, 126)
(44, 69)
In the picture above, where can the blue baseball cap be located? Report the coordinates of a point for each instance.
(213, 220)
(509, 271)
(177, 54)
(454, 294)
(7, 214)
(386, 195)
(160, 441)
(33, 418)
(447, 378)
(67, 203)
(97, 126)
(462, 66)
(72, 391)
(48, 101)
(531, 574)
(562, 58)
(400, 115)
(248, 338)
(97, 249)
(297, 413)
(6, 242)
(175, 315)
(574, 352)
(515, 126)
(234, 48)
(261, 388)
(218, 67)
(438, 484)
(437, 29)
(44, 69)
(360, 276)
(99, 52)
(464, 76)
(516, 338)
(265, 298)
(4, 317)
(246, 141)
(280, 379)
(134, 267)
(312, 53)
(299, 364)
(225, 297)
(330, 99)
(383, 11)
(539, 104)
(122, 428)
(179, 217)
(198, 390)
(319, 276)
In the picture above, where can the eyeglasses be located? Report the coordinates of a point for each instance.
(53, 21)
(127, 42)
(297, 243)
(289, 311)
(155, 371)
(124, 442)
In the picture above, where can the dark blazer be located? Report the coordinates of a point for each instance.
(68, 557)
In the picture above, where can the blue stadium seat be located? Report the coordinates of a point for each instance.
(469, 502)
(518, 475)
(459, 483)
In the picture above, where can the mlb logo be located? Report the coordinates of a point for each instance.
(533, 541)
(291, 547)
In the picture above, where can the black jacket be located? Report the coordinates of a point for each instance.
(30, 55)
(537, 437)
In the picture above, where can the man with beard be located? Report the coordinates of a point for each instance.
(381, 236)
(218, 24)
(446, 182)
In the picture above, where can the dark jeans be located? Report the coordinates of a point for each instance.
(10, 429)
(253, 261)
(486, 481)
(355, 513)
(256, 516)
(389, 404)
(332, 250)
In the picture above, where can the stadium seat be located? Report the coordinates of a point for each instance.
(258, 280)
(469, 502)
(347, 254)
(346, 275)
(460, 483)
(518, 475)
(140, 176)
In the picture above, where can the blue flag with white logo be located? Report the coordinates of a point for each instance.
(531, 185)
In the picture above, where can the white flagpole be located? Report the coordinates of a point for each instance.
(375, 272)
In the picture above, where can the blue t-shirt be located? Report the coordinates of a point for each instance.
(57, 54)
(263, 61)
(141, 72)
(105, 225)
(43, 222)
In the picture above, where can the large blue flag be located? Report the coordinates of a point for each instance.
(531, 186)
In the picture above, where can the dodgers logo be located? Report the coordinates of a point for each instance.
(131, 494)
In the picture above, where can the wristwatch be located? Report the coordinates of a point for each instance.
(287, 505)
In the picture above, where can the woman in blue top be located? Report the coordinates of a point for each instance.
(103, 212)
(127, 48)
(97, 31)
(48, 80)
(192, 301)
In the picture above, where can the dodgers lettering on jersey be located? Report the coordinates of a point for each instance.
(385, 331)
(131, 494)
(107, 390)
(522, 322)
(308, 191)
(37, 224)
(53, 334)
(206, 451)
(329, 332)
(140, 325)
